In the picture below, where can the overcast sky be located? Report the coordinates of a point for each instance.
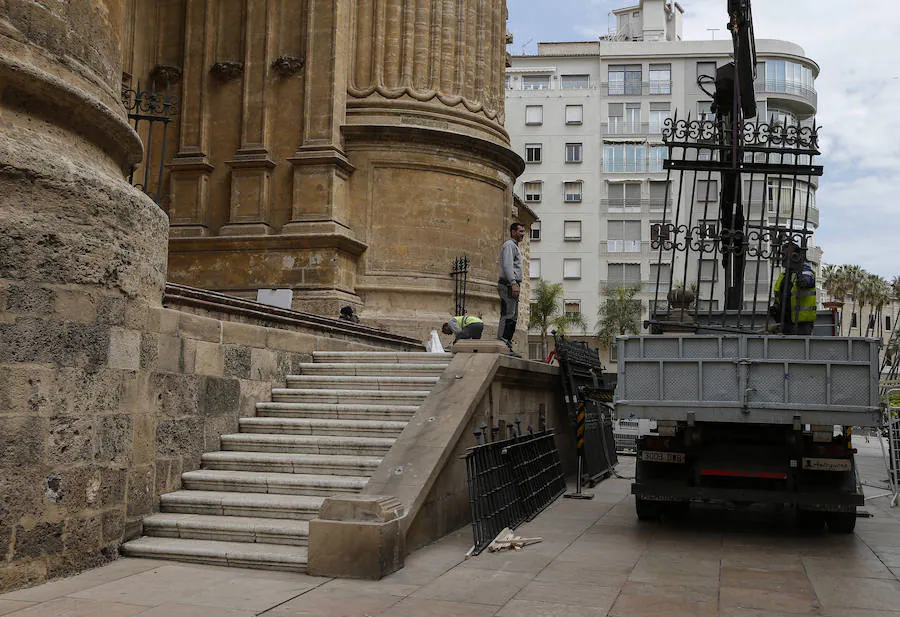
(856, 44)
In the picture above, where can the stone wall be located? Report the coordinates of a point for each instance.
(102, 407)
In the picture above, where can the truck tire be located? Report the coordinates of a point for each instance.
(841, 522)
(677, 511)
(647, 510)
(810, 520)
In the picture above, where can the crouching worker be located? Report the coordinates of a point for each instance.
(464, 327)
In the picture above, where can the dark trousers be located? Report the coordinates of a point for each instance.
(509, 312)
(472, 331)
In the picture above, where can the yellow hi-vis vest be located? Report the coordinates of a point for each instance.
(465, 320)
(803, 301)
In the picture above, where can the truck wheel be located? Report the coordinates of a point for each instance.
(647, 510)
(678, 511)
(841, 522)
(810, 520)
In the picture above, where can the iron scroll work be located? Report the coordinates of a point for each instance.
(150, 113)
(743, 193)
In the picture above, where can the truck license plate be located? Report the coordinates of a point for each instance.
(826, 464)
(662, 457)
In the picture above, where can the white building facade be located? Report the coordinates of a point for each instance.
(587, 117)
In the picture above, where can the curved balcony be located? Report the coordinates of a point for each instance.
(799, 98)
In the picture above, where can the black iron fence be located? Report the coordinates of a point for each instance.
(510, 482)
(150, 113)
(460, 275)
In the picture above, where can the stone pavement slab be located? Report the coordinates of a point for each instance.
(596, 559)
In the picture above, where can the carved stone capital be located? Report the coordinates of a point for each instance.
(226, 71)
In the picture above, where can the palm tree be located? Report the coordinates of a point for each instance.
(854, 276)
(545, 313)
(619, 315)
(874, 291)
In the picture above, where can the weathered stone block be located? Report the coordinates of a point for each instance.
(144, 438)
(179, 436)
(111, 311)
(175, 394)
(70, 440)
(6, 532)
(23, 440)
(22, 574)
(31, 389)
(263, 364)
(163, 469)
(199, 328)
(209, 359)
(149, 351)
(237, 361)
(94, 392)
(236, 333)
(114, 439)
(75, 305)
(42, 539)
(113, 482)
(89, 344)
(141, 481)
(285, 340)
(82, 535)
(113, 526)
(253, 392)
(168, 355)
(29, 299)
(35, 340)
(220, 396)
(124, 349)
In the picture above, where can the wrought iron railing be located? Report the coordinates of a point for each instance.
(150, 112)
(460, 274)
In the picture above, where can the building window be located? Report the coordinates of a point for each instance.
(789, 77)
(659, 232)
(660, 79)
(573, 191)
(661, 274)
(658, 195)
(704, 111)
(614, 352)
(657, 155)
(706, 69)
(534, 115)
(572, 307)
(534, 267)
(508, 82)
(625, 197)
(623, 236)
(572, 231)
(616, 118)
(534, 351)
(574, 114)
(707, 190)
(709, 269)
(571, 268)
(535, 82)
(573, 153)
(887, 322)
(536, 231)
(572, 82)
(632, 118)
(659, 113)
(625, 79)
(624, 158)
(623, 275)
(533, 153)
(533, 191)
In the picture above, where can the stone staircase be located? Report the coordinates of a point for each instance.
(324, 434)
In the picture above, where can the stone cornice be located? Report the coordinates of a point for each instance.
(337, 241)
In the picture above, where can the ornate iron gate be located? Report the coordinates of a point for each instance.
(150, 111)
(460, 275)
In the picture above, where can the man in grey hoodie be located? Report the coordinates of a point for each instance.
(510, 283)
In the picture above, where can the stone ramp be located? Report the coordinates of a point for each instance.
(324, 434)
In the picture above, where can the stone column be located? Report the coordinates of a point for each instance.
(82, 258)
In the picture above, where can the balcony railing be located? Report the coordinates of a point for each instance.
(553, 86)
(775, 86)
(636, 205)
(635, 88)
(623, 246)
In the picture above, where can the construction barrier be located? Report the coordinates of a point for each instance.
(510, 482)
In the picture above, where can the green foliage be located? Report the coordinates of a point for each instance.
(619, 315)
(547, 312)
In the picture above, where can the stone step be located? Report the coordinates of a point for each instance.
(276, 462)
(349, 397)
(235, 554)
(322, 426)
(222, 503)
(227, 528)
(382, 357)
(371, 369)
(307, 444)
(335, 411)
(365, 382)
(269, 482)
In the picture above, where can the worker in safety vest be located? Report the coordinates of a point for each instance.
(795, 305)
(464, 327)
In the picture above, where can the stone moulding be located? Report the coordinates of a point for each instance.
(288, 66)
(423, 96)
(76, 111)
(226, 71)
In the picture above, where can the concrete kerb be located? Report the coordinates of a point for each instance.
(420, 461)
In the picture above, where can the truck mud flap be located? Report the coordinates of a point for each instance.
(652, 491)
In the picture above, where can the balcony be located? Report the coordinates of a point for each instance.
(800, 98)
(635, 88)
(637, 205)
(640, 166)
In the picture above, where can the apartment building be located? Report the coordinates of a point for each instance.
(588, 117)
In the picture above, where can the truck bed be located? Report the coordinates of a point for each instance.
(756, 379)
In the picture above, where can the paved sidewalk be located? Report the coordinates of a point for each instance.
(595, 560)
